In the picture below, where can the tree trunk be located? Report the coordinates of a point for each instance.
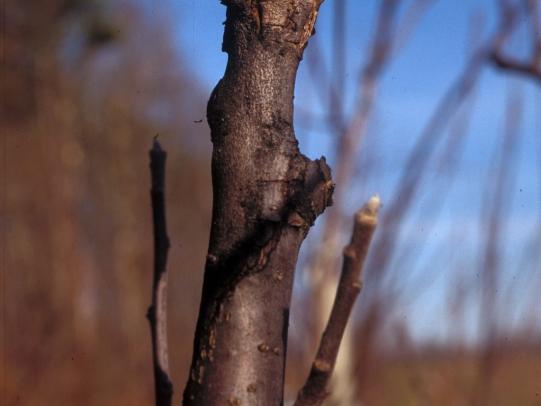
(266, 196)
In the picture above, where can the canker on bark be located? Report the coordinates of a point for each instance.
(266, 195)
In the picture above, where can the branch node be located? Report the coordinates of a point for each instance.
(314, 390)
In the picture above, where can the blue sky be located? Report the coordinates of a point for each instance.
(414, 83)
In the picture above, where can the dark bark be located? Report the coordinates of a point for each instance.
(266, 196)
(157, 312)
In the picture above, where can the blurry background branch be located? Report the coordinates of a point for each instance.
(434, 147)
(509, 15)
(157, 312)
(347, 137)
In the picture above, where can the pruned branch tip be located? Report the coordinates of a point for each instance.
(314, 391)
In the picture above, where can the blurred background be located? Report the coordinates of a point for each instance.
(433, 104)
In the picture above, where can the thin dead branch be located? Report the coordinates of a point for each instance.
(349, 287)
(157, 312)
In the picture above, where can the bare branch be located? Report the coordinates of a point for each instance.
(527, 68)
(349, 287)
(508, 21)
(409, 22)
(157, 312)
(336, 107)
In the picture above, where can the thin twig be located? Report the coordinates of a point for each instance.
(349, 287)
(508, 21)
(336, 91)
(527, 68)
(157, 312)
(410, 21)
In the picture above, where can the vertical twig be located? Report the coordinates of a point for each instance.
(336, 92)
(314, 391)
(157, 312)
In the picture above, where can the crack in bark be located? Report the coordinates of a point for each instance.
(266, 196)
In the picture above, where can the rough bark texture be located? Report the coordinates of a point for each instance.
(266, 196)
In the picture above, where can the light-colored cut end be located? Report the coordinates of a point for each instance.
(369, 212)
